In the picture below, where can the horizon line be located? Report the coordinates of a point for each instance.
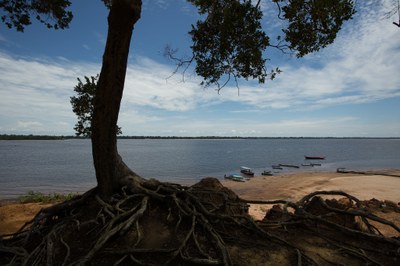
(45, 136)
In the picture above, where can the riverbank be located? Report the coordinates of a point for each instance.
(293, 187)
(290, 187)
(14, 215)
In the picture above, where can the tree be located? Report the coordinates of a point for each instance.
(111, 172)
(219, 49)
(52, 13)
(229, 42)
(83, 105)
(199, 220)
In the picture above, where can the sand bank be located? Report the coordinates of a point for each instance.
(293, 187)
(14, 215)
(286, 187)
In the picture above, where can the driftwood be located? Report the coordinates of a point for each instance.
(205, 224)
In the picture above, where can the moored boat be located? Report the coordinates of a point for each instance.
(288, 165)
(314, 157)
(235, 177)
(246, 170)
(311, 164)
(267, 173)
(277, 167)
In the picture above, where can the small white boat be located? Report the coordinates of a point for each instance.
(235, 177)
(246, 170)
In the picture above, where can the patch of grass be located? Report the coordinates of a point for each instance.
(33, 196)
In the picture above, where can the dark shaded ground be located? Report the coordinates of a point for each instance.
(206, 224)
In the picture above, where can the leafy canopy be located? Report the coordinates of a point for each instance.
(52, 13)
(314, 24)
(230, 42)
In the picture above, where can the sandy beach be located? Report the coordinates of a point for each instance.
(293, 187)
(286, 187)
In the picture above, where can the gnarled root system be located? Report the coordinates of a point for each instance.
(206, 224)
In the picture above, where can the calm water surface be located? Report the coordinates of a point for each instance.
(66, 166)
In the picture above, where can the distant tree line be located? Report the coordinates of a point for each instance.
(50, 137)
(29, 137)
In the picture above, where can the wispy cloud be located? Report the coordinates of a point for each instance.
(361, 67)
(162, 4)
(150, 84)
(6, 42)
(36, 91)
(2, 38)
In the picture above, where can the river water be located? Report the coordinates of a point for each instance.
(66, 165)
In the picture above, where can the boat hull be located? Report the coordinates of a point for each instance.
(314, 157)
(267, 173)
(247, 173)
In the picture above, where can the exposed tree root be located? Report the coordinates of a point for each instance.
(205, 224)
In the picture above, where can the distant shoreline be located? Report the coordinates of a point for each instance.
(54, 137)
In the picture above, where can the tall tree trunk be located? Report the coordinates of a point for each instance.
(109, 167)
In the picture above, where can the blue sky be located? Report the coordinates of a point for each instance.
(349, 89)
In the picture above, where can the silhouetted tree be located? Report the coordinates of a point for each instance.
(147, 222)
(83, 105)
(228, 42)
(52, 13)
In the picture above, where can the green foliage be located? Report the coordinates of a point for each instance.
(83, 106)
(33, 196)
(314, 24)
(230, 41)
(52, 13)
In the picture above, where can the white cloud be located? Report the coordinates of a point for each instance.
(37, 90)
(362, 64)
(162, 4)
(329, 126)
(316, 127)
(147, 84)
(29, 124)
(360, 67)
